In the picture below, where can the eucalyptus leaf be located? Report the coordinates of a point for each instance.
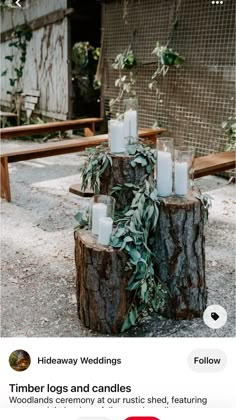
(126, 324)
(132, 316)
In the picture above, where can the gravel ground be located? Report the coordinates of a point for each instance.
(37, 245)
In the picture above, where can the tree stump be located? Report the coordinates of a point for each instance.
(179, 248)
(102, 297)
(121, 173)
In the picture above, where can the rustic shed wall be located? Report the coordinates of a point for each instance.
(195, 98)
(46, 67)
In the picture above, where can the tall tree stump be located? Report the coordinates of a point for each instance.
(179, 249)
(121, 173)
(102, 297)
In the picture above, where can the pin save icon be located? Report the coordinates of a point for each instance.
(142, 418)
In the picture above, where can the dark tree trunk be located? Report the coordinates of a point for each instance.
(102, 297)
(121, 173)
(179, 249)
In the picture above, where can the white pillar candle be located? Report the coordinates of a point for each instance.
(164, 173)
(130, 126)
(181, 178)
(117, 136)
(105, 230)
(98, 210)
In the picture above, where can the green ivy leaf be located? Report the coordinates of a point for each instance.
(132, 149)
(9, 57)
(132, 316)
(4, 73)
(133, 286)
(81, 218)
(126, 324)
(143, 290)
(12, 82)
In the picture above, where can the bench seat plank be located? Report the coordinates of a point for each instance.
(18, 153)
(214, 163)
(35, 151)
(24, 130)
(204, 165)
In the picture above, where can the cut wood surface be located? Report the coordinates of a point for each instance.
(101, 284)
(179, 249)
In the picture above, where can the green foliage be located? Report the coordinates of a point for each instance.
(135, 227)
(80, 52)
(94, 167)
(166, 58)
(84, 65)
(206, 202)
(23, 35)
(230, 130)
(82, 218)
(135, 234)
(125, 60)
(126, 85)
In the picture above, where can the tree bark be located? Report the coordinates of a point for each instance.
(179, 249)
(102, 297)
(121, 173)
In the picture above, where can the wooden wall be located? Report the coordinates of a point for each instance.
(46, 67)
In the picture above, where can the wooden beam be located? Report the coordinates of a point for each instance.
(40, 22)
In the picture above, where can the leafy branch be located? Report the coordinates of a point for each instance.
(135, 235)
(125, 84)
(94, 167)
(135, 228)
(167, 57)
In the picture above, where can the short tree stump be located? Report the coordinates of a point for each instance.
(179, 249)
(102, 297)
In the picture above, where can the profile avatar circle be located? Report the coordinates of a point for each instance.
(19, 360)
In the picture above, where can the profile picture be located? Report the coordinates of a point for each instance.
(19, 360)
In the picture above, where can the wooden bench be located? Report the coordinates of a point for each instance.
(11, 154)
(204, 165)
(5, 115)
(29, 130)
(214, 163)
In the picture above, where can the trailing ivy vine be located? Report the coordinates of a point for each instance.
(21, 37)
(135, 233)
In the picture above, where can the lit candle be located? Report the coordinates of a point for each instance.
(99, 210)
(117, 136)
(105, 230)
(181, 178)
(130, 126)
(164, 173)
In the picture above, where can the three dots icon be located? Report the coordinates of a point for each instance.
(217, 2)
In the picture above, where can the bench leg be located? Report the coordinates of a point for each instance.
(153, 139)
(93, 128)
(5, 181)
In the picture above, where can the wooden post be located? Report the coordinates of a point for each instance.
(5, 181)
(179, 249)
(121, 172)
(103, 300)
